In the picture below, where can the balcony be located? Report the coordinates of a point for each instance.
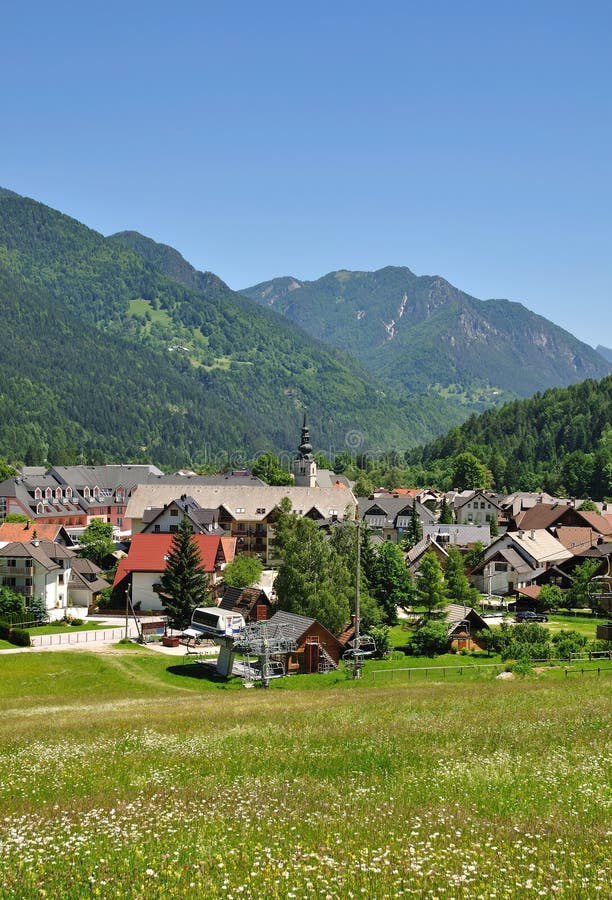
(16, 570)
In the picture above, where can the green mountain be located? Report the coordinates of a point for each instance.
(421, 333)
(559, 441)
(104, 354)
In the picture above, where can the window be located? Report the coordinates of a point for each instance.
(173, 529)
(38, 494)
(156, 528)
(260, 511)
(58, 493)
(501, 567)
(487, 518)
(48, 493)
(86, 492)
(482, 505)
(174, 512)
(240, 509)
(68, 492)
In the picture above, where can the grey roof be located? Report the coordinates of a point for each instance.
(80, 582)
(46, 553)
(244, 503)
(461, 534)
(294, 625)
(467, 496)
(391, 508)
(456, 612)
(109, 477)
(515, 560)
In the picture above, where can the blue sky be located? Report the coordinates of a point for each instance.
(466, 139)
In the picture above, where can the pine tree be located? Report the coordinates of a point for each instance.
(414, 534)
(446, 513)
(184, 581)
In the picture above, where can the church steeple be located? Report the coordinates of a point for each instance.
(304, 465)
(305, 448)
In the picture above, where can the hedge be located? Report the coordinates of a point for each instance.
(17, 636)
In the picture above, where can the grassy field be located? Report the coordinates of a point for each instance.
(127, 774)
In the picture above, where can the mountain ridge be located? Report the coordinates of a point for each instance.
(191, 376)
(396, 323)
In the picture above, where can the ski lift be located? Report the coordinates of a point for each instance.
(366, 648)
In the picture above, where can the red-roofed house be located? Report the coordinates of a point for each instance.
(142, 568)
(27, 531)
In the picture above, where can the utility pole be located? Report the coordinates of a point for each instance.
(127, 602)
(357, 657)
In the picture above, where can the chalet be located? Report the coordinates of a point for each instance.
(38, 570)
(317, 650)
(145, 563)
(514, 559)
(464, 623)
(478, 507)
(390, 517)
(167, 519)
(252, 603)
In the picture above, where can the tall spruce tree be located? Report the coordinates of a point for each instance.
(446, 513)
(184, 582)
(415, 530)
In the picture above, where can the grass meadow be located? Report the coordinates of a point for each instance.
(126, 774)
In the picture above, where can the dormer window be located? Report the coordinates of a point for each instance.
(68, 492)
(58, 493)
(48, 493)
(86, 493)
(96, 491)
(40, 508)
(38, 494)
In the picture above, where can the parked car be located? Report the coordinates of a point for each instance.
(528, 616)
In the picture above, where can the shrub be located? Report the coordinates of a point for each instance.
(430, 639)
(76, 622)
(20, 637)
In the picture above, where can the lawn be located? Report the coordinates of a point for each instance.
(56, 628)
(123, 775)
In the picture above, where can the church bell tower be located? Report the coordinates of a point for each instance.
(304, 465)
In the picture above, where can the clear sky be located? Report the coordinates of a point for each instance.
(467, 139)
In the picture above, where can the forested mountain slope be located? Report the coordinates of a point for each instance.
(559, 441)
(104, 354)
(423, 333)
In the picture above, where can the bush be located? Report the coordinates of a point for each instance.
(77, 622)
(20, 637)
(430, 639)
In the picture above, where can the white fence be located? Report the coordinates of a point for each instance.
(99, 635)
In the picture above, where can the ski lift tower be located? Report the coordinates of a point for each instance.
(260, 641)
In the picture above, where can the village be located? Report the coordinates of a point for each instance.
(523, 553)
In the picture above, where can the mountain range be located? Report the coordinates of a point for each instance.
(117, 348)
(106, 356)
(421, 333)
